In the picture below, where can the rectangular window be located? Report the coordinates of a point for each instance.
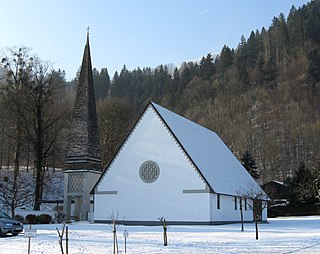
(235, 203)
(218, 201)
(245, 204)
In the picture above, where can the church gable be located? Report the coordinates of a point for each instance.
(152, 169)
(149, 140)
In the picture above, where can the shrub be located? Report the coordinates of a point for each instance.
(58, 208)
(44, 219)
(19, 217)
(60, 217)
(31, 219)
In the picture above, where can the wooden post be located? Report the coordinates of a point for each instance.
(165, 239)
(29, 242)
(125, 245)
(255, 216)
(67, 242)
(115, 241)
(125, 234)
(114, 237)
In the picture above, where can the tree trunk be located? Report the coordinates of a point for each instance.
(28, 156)
(165, 239)
(241, 215)
(38, 192)
(256, 223)
(16, 167)
(67, 240)
(1, 152)
(16, 162)
(39, 178)
(257, 232)
(38, 160)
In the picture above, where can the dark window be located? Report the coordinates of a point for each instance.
(245, 204)
(235, 203)
(218, 201)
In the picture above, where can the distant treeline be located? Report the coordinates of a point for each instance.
(262, 97)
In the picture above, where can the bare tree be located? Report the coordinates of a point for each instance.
(35, 107)
(114, 219)
(17, 65)
(16, 192)
(256, 202)
(115, 118)
(44, 119)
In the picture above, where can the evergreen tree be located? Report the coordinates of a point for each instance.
(101, 81)
(206, 67)
(225, 59)
(250, 165)
(314, 65)
(301, 186)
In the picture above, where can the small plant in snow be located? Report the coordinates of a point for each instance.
(114, 219)
(61, 233)
(165, 228)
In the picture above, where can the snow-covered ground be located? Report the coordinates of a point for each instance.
(280, 235)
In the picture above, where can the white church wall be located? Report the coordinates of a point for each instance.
(264, 211)
(179, 194)
(229, 211)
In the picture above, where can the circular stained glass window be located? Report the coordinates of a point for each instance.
(149, 171)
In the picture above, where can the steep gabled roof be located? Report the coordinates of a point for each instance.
(214, 160)
(217, 165)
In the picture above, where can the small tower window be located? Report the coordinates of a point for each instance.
(218, 201)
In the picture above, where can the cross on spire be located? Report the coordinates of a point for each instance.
(88, 28)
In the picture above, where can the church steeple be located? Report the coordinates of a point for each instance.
(83, 159)
(83, 152)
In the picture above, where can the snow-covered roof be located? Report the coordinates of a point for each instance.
(214, 160)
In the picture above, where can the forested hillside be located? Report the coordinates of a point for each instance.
(262, 97)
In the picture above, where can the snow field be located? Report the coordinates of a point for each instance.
(280, 235)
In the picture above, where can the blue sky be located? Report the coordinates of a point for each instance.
(136, 33)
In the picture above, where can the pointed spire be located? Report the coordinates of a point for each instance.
(83, 150)
(88, 29)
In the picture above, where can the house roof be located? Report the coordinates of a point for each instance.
(213, 159)
(217, 165)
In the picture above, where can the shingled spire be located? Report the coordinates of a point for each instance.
(83, 152)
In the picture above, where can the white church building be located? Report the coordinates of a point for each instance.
(171, 167)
